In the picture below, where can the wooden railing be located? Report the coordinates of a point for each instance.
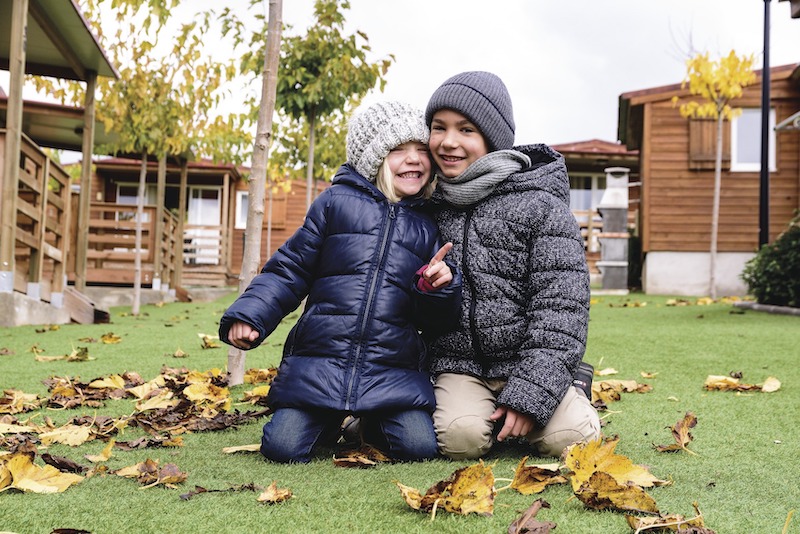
(42, 221)
(111, 250)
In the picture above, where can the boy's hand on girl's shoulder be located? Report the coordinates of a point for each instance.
(516, 424)
(242, 335)
(438, 274)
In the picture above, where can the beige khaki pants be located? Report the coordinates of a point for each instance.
(464, 430)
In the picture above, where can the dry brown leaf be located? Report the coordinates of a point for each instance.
(527, 522)
(534, 479)
(208, 342)
(149, 474)
(681, 434)
(273, 494)
(19, 472)
(365, 456)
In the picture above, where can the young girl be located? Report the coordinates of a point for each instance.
(507, 370)
(369, 261)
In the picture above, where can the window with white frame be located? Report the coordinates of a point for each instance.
(746, 141)
(241, 210)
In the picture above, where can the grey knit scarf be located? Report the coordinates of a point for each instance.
(480, 178)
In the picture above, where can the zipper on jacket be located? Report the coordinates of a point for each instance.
(480, 357)
(368, 307)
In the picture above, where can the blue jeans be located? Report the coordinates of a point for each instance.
(292, 434)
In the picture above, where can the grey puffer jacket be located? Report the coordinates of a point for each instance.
(525, 309)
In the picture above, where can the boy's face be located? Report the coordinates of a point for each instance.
(410, 166)
(455, 142)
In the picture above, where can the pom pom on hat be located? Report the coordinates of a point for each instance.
(481, 97)
(376, 130)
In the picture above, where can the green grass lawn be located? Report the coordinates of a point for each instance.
(744, 477)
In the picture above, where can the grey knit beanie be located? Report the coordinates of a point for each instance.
(373, 132)
(481, 97)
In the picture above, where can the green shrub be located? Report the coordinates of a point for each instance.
(773, 275)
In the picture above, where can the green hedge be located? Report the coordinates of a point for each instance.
(773, 275)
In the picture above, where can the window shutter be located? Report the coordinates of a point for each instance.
(703, 144)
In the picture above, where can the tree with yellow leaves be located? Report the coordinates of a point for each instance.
(717, 83)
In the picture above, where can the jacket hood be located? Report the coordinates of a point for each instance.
(547, 172)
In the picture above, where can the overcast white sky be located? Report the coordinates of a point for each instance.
(565, 62)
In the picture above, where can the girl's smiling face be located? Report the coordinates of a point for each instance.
(455, 142)
(410, 166)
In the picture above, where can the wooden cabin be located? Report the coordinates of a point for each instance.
(677, 174)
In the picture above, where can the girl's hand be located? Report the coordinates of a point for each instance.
(438, 273)
(241, 335)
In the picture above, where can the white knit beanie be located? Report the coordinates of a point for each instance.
(376, 130)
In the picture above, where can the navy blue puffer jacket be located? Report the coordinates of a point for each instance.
(357, 346)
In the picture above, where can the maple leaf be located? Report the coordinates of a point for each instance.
(602, 491)
(534, 479)
(15, 401)
(672, 522)
(109, 382)
(527, 523)
(149, 474)
(72, 435)
(273, 494)
(110, 338)
(208, 342)
(586, 458)
(254, 376)
(254, 447)
(365, 456)
(207, 395)
(680, 431)
(727, 383)
(104, 455)
(770, 385)
(611, 390)
(19, 472)
(257, 395)
(467, 490)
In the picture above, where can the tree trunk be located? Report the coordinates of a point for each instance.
(255, 206)
(310, 161)
(137, 244)
(712, 264)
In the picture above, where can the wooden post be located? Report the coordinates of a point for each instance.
(181, 221)
(225, 241)
(85, 198)
(158, 238)
(8, 212)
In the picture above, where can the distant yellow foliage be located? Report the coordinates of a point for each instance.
(717, 82)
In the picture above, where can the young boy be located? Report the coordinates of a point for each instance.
(507, 370)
